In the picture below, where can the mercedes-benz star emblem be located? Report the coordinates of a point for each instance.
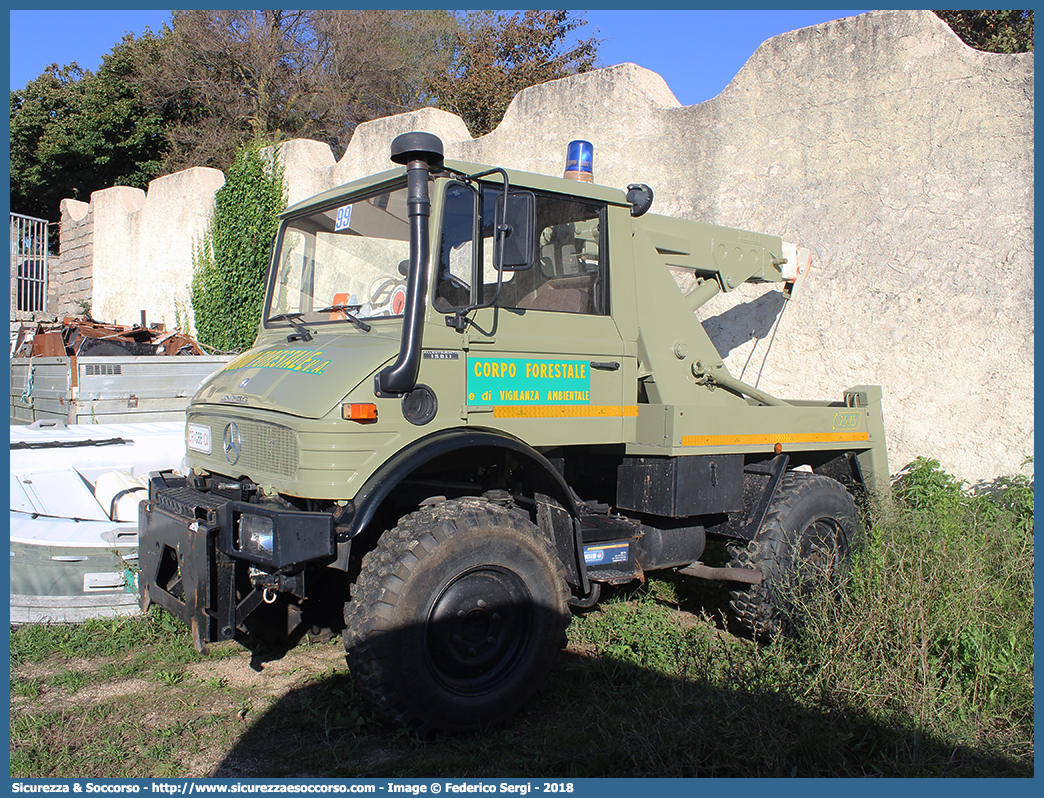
(232, 444)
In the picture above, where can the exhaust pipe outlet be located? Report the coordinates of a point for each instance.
(419, 153)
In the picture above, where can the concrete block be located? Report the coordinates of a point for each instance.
(143, 245)
(368, 151)
(307, 168)
(74, 210)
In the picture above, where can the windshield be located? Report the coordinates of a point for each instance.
(348, 259)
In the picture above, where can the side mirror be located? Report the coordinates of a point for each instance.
(518, 245)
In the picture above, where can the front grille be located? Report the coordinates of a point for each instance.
(267, 448)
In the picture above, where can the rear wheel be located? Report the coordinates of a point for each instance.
(803, 546)
(456, 617)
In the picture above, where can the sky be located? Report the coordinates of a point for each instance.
(696, 52)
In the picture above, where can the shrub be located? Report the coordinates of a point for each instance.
(228, 282)
(934, 637)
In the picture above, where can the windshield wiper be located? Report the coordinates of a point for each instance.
(302, 333)
(346, 310)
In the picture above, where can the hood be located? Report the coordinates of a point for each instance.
(306, 379)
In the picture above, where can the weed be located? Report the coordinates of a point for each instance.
(923, 485)
(101, 637)
(121, 669)
(70, 680)
(169, 678)
(32, 723)
(25, 688)
(935, 636)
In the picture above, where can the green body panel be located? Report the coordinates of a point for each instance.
(517, 179)
(656, 400)
(306, 379)
(540, 337)
(851, 425)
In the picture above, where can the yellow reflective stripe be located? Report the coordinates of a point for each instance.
(771, 439)
(565, 411)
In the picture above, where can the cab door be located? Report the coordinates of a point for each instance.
(546, 361)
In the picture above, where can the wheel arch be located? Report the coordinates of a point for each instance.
(762, 475)
(481, 444)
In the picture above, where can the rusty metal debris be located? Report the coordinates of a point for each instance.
(79, 336)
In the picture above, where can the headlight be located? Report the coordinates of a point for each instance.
(274, 537)
(256, 534)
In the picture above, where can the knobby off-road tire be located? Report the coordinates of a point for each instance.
(456, 617)
(803, 546)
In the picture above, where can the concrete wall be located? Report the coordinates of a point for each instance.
(72, 276)
(143, 246)
(903, 158)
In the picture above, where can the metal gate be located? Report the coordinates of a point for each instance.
(29, 262)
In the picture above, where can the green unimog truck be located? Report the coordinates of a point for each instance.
(476, 396)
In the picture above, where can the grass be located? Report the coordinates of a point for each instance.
(921, 666)
(106, 637)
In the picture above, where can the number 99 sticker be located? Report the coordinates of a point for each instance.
(344, 218)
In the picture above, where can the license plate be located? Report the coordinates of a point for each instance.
(199, 438)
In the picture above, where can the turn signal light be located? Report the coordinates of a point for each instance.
(356, 411)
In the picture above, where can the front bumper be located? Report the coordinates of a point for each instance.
(212, 560)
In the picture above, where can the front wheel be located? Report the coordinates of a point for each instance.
(456, 617)
(804, 546)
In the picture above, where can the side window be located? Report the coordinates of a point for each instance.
(569, 275)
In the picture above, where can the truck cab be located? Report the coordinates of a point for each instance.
(476, 396)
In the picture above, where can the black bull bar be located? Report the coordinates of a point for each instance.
(193, 563)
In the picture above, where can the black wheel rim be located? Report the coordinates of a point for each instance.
(479, 629)
(821, 544)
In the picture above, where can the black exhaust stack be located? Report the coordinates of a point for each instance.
(419, 152)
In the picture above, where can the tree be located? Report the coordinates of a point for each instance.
(224, 78)
(211, 81)
(74, 132)
(499, 55)
(228, 282)
(41, 117)
(125, 138)
(992, 31)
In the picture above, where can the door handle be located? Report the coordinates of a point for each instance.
(605, 365)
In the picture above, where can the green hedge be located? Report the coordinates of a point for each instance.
(230, 261)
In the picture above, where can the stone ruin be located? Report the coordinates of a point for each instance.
(900, 156)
